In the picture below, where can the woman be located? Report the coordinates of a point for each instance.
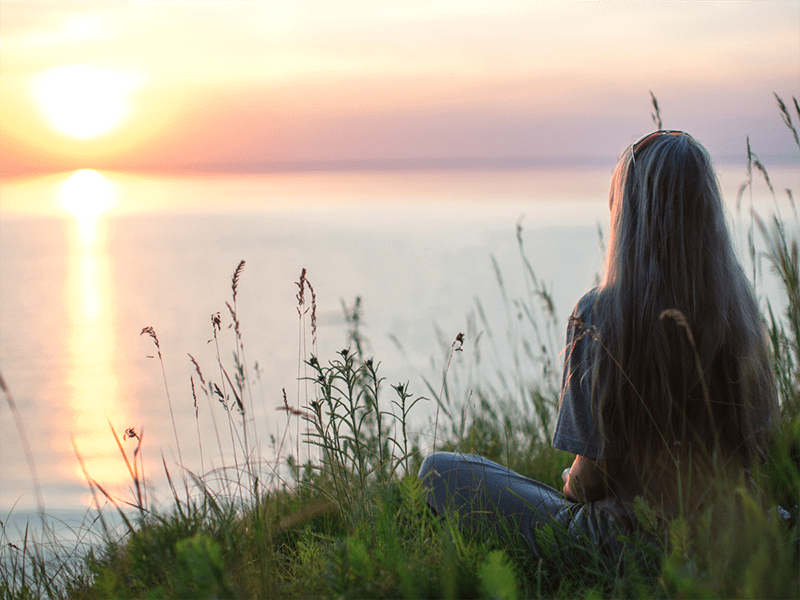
(667, 384)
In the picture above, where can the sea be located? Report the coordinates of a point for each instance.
(90, 260)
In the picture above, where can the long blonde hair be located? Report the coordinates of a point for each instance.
(680, 365)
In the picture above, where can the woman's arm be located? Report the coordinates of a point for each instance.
(585, 480)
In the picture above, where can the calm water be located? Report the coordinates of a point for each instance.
(75, 293)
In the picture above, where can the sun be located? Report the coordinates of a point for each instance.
(83, 101)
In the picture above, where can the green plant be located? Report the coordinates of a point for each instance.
(360, 453)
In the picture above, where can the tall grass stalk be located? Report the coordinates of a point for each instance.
(224, 398)
(23, 438)
(456, 346)
(205, 387)
(133, 471)
(151, 332)
(240, 373)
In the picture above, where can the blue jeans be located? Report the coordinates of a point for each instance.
(489, 497)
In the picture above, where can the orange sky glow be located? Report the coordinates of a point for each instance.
(261, 86)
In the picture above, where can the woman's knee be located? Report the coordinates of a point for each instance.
(434, 465)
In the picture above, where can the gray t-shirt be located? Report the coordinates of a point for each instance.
(577, 431)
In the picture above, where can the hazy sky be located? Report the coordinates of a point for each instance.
(248, 86)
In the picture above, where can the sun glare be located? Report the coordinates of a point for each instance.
(82, 101)
(87, 194)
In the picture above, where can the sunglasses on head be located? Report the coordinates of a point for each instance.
(650, 136)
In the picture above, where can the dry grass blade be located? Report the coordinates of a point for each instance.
(748, 182)
(111, 499)
(208, 400)
(197, 368)
(24, 440)
(151, 332)
(90, 481)
(313, 314)
(121, 449)
(456, 346)
(680, 320)
(197, 424)
(301, 290)
(131, 470)
(762, 169)
(169, 481)
(656, 115)
(787, 117)
(235, 278)
(138, 454)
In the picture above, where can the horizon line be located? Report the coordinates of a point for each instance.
(388, 165)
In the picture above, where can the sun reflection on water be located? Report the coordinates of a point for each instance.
(87, 195)
(94, 375)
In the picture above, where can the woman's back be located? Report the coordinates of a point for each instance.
(680, 376)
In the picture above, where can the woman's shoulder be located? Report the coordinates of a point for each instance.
(586, 305)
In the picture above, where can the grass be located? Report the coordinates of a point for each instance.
(350, 520)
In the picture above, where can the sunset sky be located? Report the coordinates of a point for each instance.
(259, 86)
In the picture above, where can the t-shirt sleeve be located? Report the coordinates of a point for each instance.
(576, 428)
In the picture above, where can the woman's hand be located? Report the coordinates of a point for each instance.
(585, 480)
